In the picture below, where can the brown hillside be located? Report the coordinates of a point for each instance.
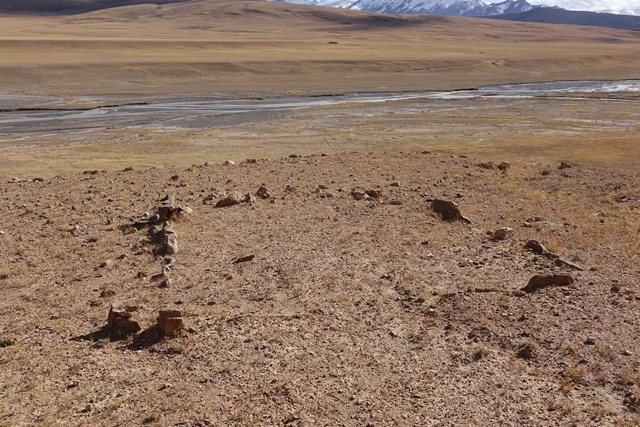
(230, 47)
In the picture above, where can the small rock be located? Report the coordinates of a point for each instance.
(590, 341)
(487, 165)
(244, 259)
(120, 319)
(229, 163)
(538, 248)
(107, 293)
(108, 264)
(374, 194)
(447, 210)
(170, 321)
(565, 165)
(249, 198)
(207, 164)
(263, 192)
(185, 210)
(235, 198)
(6, 342)
(359, 194)
(504, 166)
(525, 351)
(627, 353)
(166, 200)
(501, 233)
(538, 282)
(564, 263)
(169, 239)
(164, 213)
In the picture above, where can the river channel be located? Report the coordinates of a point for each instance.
(200, 113)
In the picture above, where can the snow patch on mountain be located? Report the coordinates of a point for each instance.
(435, 7)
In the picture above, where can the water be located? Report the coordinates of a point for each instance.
(530, 90)
(212, 113)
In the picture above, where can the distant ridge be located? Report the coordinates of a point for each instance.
(70, 6)
(571, 17)
(428, 7)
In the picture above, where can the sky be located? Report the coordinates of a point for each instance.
(593, 5)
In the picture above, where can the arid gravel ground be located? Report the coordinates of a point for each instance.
(351, 312)
(341, 298)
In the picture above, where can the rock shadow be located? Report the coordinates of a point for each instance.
(146, 339)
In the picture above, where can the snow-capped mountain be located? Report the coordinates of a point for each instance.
(435, 7)
(634, 12)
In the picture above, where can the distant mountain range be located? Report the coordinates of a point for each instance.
(69, 6)
(561, 16)
(512, 10)
(433, 7)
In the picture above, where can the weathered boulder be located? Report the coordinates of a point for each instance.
(170, 321)
(169, 239)
(541, 281)
(448, 210)
(121, 321)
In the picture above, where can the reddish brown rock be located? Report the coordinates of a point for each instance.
(170, 321)
(448, 210)
(541, 281)
(165, 213)
(121, 320)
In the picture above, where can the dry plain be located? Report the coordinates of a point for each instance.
(341, 298)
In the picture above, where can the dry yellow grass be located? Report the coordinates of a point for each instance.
(253, 46)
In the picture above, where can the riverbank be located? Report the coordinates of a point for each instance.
(601, 132)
